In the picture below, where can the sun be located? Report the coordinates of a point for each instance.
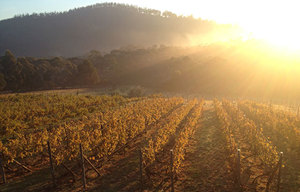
(281, 31)
(274, 21)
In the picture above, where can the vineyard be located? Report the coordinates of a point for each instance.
(64, 142)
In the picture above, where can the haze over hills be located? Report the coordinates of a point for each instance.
(60, 50)
(220, 69)
(103, 27)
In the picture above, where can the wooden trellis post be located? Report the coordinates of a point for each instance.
(51, 164)
(239, 167)
(82, 166)
(279, 171)
(141, 169)
(2, 169)
(172, 173)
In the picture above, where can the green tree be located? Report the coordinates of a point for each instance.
(136, 92)
(28, 75)
(12, 70)
(87, 73)
(9, 58)
(2, 82)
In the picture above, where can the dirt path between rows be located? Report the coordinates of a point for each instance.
(206, 166)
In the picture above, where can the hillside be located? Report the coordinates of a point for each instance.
(103, 27)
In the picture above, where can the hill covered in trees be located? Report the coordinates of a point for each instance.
(42, 51)
(104, 27)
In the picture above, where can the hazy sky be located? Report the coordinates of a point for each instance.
(9, 8)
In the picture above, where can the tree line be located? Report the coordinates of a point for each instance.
(29, 73)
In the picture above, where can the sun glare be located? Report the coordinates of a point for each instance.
(277, 25)
(273, 21)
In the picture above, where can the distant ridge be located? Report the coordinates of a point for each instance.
(100, 27)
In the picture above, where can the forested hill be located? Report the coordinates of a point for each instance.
(102, 27)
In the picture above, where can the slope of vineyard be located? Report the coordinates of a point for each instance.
(283, 129)
(259, 157)
(170, 136)
(127, 143)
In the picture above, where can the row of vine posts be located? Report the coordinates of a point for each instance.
(84, 159)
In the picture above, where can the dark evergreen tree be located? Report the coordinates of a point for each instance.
(11, 70)
(87, 73)
(2, 82)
